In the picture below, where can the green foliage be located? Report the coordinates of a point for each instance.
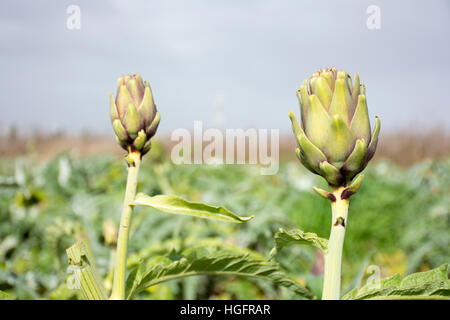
(6, 296)
(288, 238)
(433, 284)
(199, 260)
(177, 205)
(405, 210)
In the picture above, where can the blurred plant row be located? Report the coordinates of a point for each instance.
(399, 223)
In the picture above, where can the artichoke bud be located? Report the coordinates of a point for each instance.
(133, 113)
(334, 136)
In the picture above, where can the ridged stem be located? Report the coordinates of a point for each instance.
(85, 273)
(118, 289)
(333, 257)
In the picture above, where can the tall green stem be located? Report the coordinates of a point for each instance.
(333, 257)
(118, 290)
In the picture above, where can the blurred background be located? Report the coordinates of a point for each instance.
(230, 64)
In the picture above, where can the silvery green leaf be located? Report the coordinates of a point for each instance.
(6, 296)
(177, 205)
(285, 238)
(200, 261)
(428, 285)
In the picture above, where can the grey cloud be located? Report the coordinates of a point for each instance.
(255, 53)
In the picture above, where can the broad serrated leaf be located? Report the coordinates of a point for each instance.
(433, 284)
(180, 244)
(6, 296)
(131, 278)
(285, 238)
(177, 205)
(200, 261)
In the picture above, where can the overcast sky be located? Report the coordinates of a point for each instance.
(249, 56)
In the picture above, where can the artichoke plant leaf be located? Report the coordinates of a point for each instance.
(6, 296)
(285, 238)
(427, 285)
(204, 261)
(176, 205)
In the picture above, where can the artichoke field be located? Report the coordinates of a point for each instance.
(45, 207)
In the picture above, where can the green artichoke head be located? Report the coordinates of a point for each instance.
(133, 114)
(334, 137)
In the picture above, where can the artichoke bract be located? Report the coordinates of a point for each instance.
(133, 114)
(334, 137)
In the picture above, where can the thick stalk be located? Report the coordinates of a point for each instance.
(86, 277)
(333, 257)
(118, 290)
